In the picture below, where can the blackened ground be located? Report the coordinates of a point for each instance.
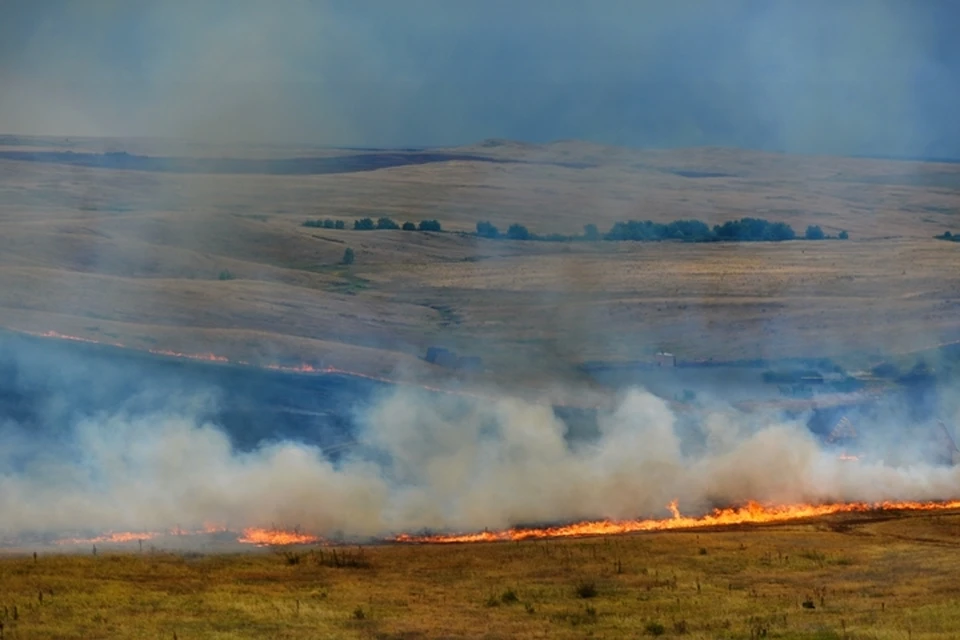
(46, 386)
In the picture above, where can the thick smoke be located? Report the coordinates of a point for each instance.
(429, 463)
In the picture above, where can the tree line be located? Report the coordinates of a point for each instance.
(742, 230)
(368, 224)
(949, 237)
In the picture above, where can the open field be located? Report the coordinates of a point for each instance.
(862, 576)
(136, 256)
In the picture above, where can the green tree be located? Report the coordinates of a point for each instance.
(487, 230)
(814, 232)
(591, 233)
(339, 224)
(348, 256)
(518, 232)
(387, 223)
(409, 226)
(364, 224)
(430, 225)
(843, 235)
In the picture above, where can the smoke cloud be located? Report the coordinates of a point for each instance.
(429, 463)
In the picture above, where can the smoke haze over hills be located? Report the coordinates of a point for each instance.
(879, 77)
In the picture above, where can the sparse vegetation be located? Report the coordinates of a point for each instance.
(755, 583)
(948, 236)
(226, 275)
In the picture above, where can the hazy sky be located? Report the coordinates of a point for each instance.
(832, 76)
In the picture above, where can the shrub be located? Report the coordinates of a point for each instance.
(226, 275)
(348, 256)
(359, 614)
(586, 589)
(364, 224)
(430, 225)
(814, 232)
(409, 226)
(843, 235)
(387, 223)
(509, 596)
(654, 628)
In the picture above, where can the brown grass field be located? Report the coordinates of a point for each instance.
(135, 257)
(220, 263)
(861, 576)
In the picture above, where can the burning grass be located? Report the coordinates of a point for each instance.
(851, 575)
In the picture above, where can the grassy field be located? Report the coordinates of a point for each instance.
(139, 257)
(843, 577)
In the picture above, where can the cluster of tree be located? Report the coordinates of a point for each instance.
(368, 224)
(950, 237)
(326, 224)
(743, 230)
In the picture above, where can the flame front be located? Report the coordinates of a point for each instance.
(752, 513)
(275, 537)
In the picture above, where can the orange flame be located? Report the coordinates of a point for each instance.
(111, 537)
(752, 513)
(272, 537)
(209, 357)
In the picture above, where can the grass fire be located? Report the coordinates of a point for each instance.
(323, 320)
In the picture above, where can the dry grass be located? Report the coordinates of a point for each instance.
(137, 255)
(882, 579)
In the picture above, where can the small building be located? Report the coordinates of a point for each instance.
(664, 359)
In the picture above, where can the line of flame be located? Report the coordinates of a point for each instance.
(752, 513)
(275, 537)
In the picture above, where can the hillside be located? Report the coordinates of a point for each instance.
(183, 259)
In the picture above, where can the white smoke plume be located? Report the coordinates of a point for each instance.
(425, 463)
